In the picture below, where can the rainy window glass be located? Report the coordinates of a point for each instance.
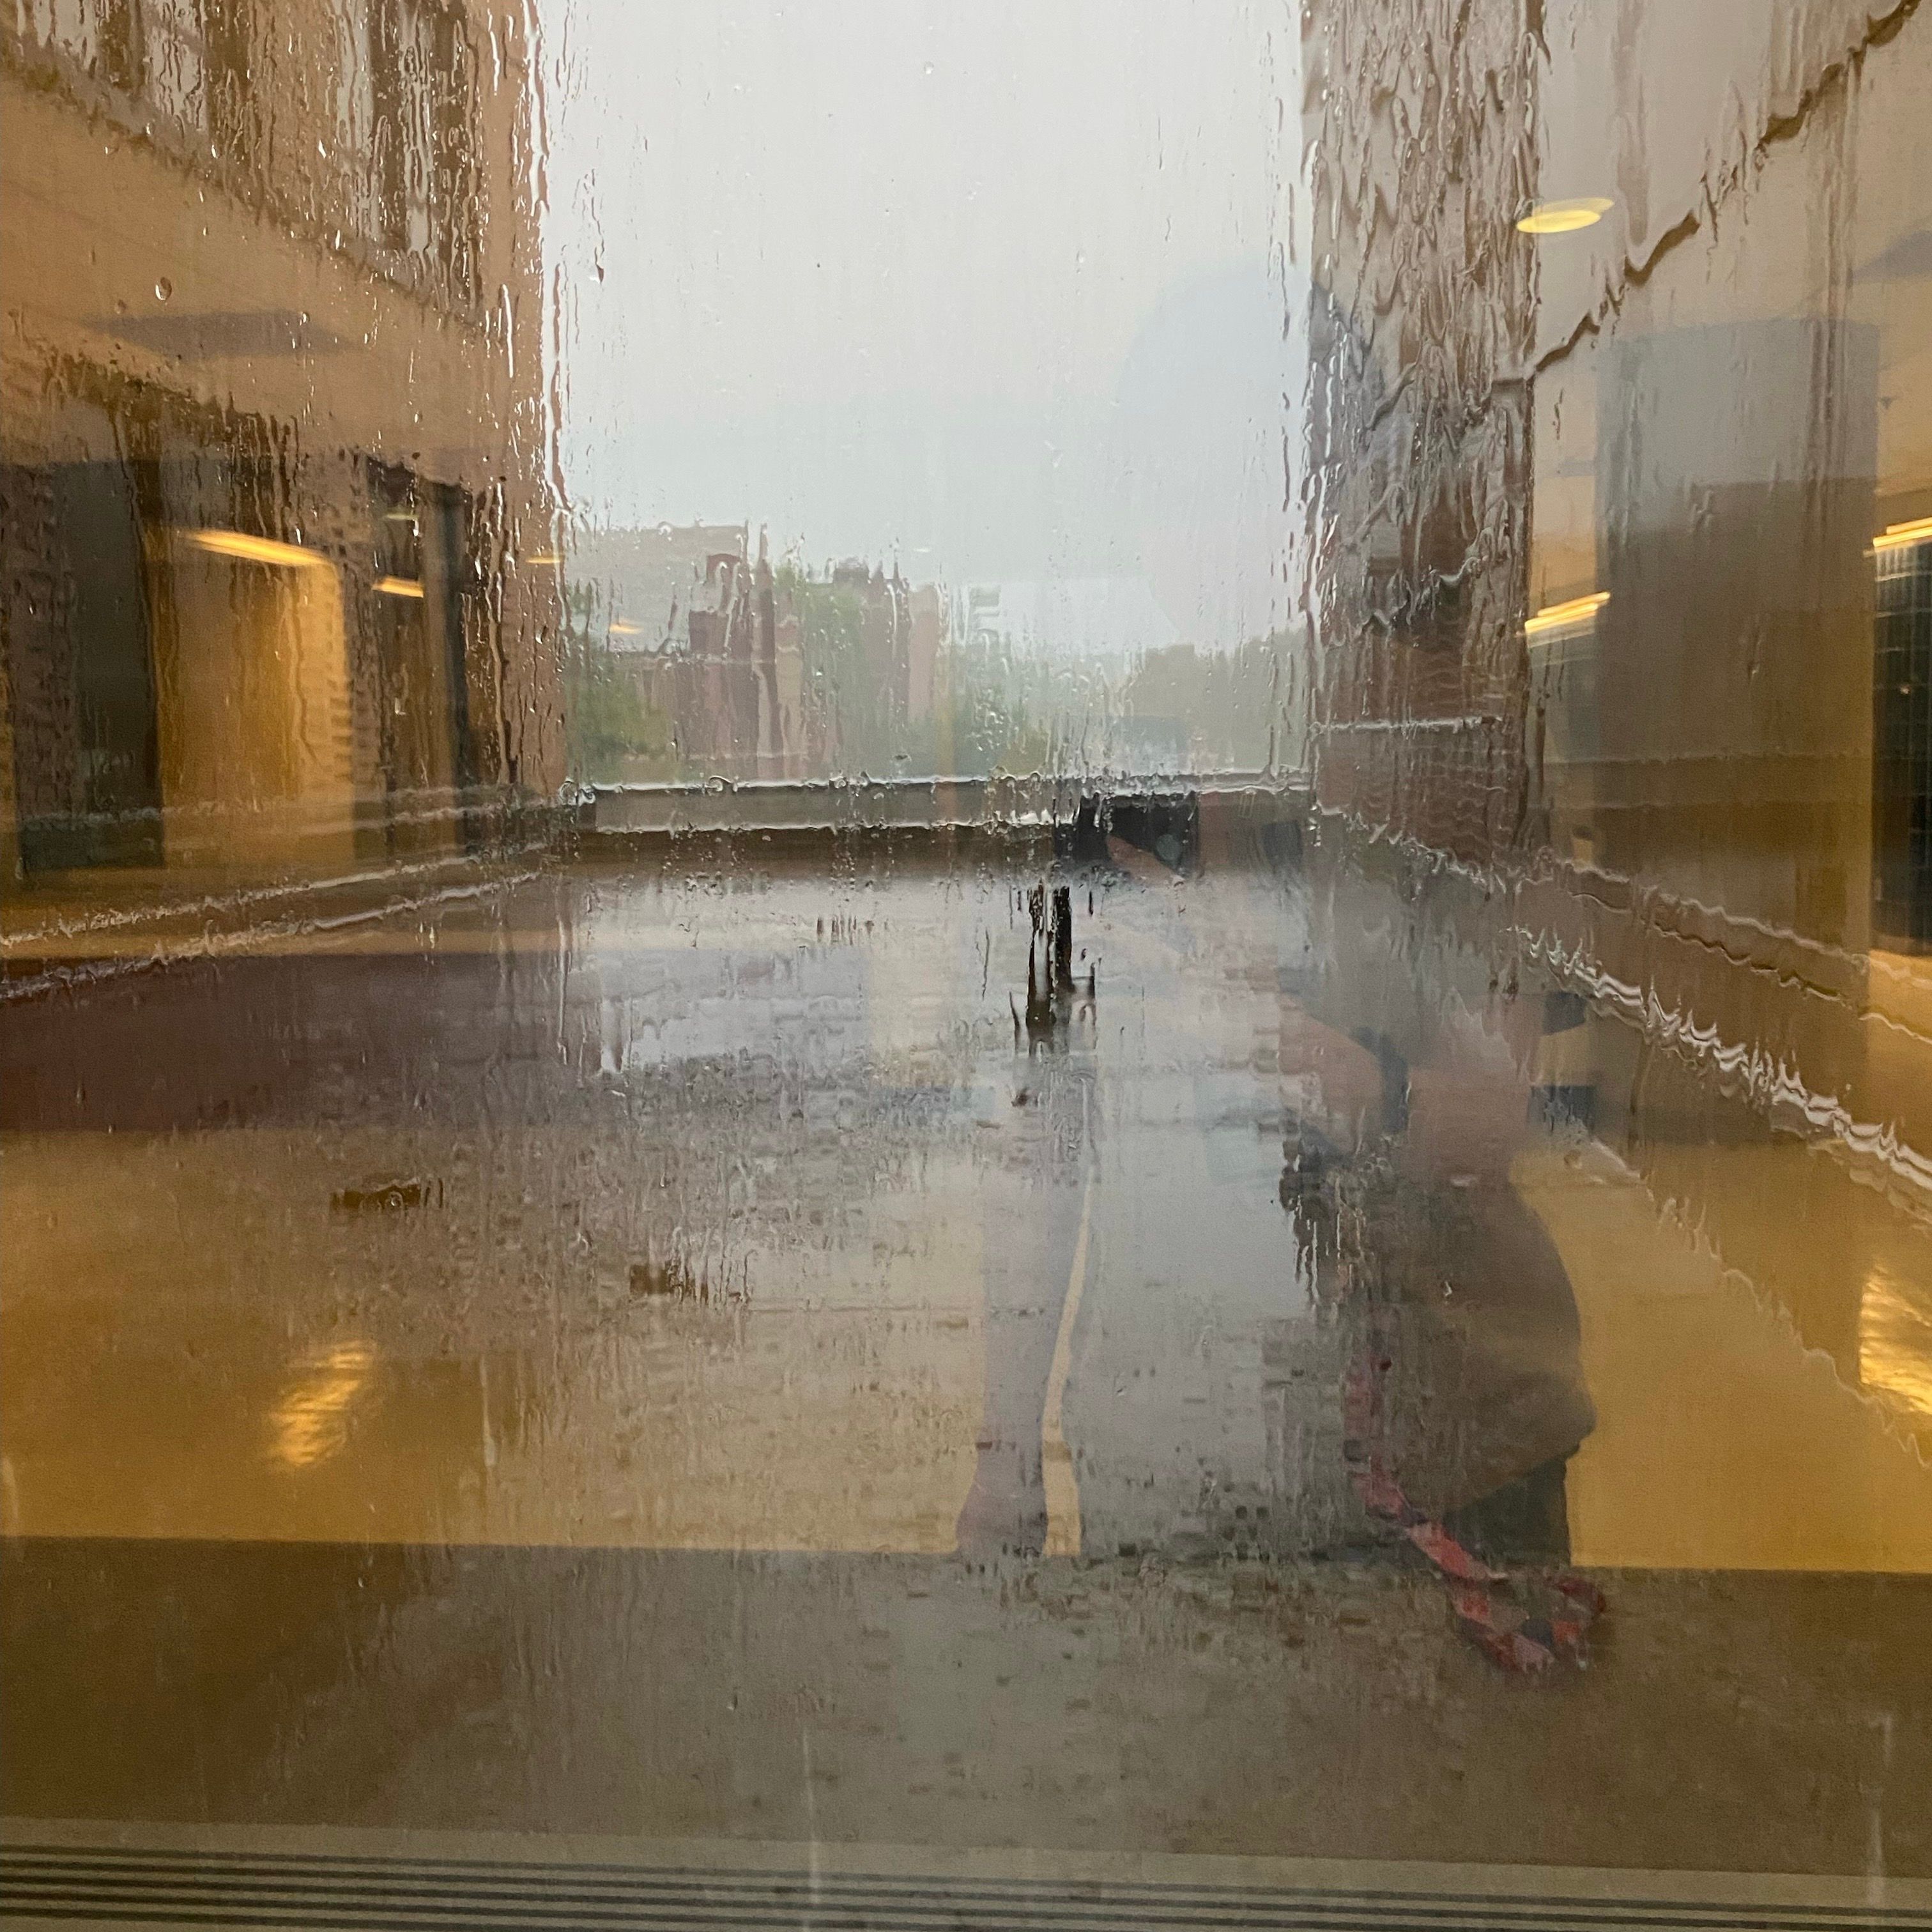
(966, 965)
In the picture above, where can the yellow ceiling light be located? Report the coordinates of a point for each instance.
(1902, 536)
(1561, 616)
(399, 586)
(1565, 217)
(544, 557)
(245, 549)
(621, 629)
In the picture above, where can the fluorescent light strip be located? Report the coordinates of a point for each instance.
(399, 586)
(1559, 616)
(1565, 217)
(245, 549)
(1903, 536)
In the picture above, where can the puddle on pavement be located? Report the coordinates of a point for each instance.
(917, 1279)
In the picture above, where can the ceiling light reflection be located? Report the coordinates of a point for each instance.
(310, 1422)
(1561, 616)
(245, 549)
(1565, 217)
(1903, 536)
(1895, 1340)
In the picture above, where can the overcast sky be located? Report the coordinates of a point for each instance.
(993, 288)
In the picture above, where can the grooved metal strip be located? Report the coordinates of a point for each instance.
(388, 1894)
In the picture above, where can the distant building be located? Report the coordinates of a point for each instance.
(641, 586)
(756, 671)
(684, 617)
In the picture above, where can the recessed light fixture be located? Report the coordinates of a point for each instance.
(1902, 536)
(1565, 217)
(1561, 616)
(245, 549)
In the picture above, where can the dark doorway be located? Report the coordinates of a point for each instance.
(80, 668)
(1902, 747)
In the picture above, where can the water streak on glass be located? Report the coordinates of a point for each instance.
(966, 965)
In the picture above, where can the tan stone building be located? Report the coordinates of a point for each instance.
(1624, 421)
(278, 580)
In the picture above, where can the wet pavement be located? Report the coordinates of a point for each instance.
(697, 1354)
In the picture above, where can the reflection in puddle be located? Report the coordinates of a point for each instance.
(936, 1320)
(1895, 1341)
(310, 1422)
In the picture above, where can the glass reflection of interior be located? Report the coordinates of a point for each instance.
(660, 1185)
